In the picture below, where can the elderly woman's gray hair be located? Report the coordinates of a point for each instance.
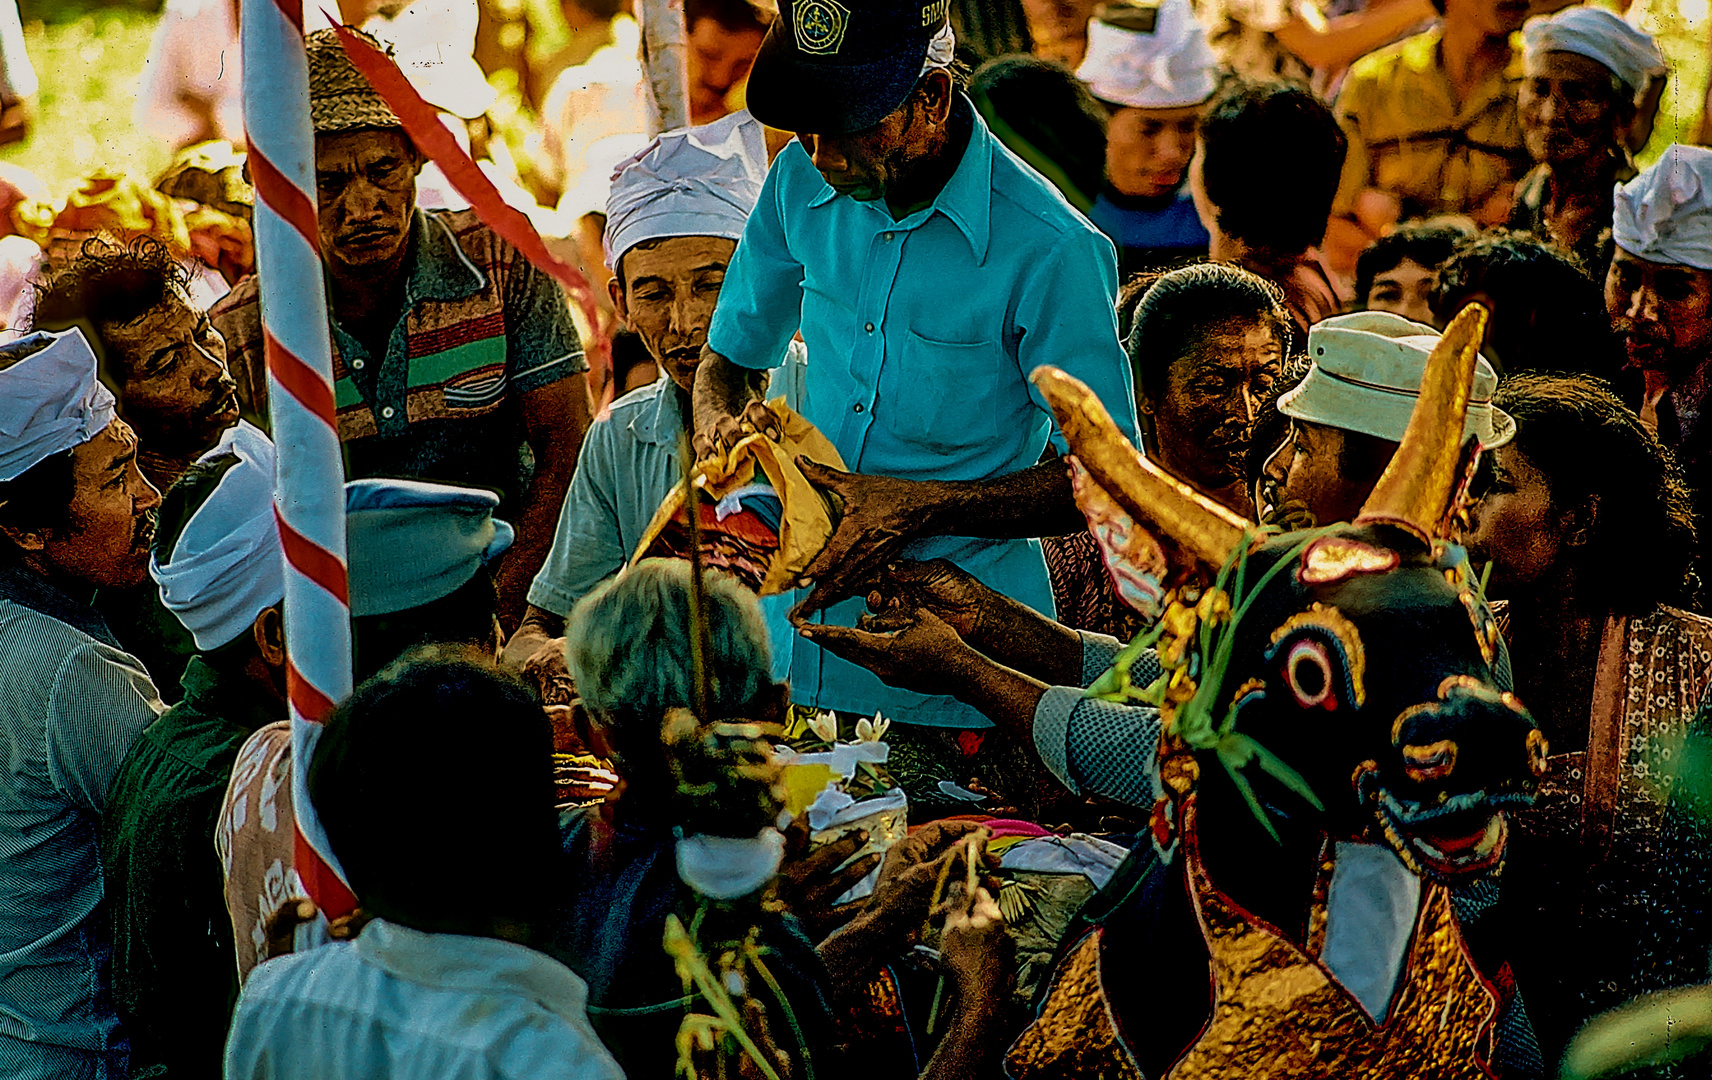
(628, 643)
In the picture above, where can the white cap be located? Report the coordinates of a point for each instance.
(1149, 56)
(1600, 36)
(434, 44)
(1366, 377)
(698, 181)
(226, 567)
(1664, 215)
(50, 399)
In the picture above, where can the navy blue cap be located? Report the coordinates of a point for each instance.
(832, 68)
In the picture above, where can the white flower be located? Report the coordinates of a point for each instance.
(872, 730)
(825, 725)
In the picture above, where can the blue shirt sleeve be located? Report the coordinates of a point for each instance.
(588, 546)
(1067, 314)
(102, 700)
(760, 304)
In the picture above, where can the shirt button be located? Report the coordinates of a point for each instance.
(888, 238)
(386, 413)
(358, 364)
(858, 406)
(869, 327)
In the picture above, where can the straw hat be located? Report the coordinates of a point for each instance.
(340, 98)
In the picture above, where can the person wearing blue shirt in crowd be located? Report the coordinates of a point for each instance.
(929, 271)
(76, 516)
(1153, 70)
(674, 214)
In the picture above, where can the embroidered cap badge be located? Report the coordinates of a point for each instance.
(819, 25)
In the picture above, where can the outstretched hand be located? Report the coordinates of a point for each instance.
(906, 648)
(810, 878)
(715, 439)
(880, 515)
(941, 587)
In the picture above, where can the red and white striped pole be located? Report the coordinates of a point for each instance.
(309, 484)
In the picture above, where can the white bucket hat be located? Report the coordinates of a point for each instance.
(1366, 377)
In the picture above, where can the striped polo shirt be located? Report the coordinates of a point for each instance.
(480, 328)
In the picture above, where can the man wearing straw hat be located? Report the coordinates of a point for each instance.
(933, 271)
(454, 360)
(76, 515)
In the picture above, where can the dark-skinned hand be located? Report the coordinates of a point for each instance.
(976, 948)
(810, 878)
(546, 668)
(905, 648)
(943, 588)
(717, 439)
(903, 897)
(280, 925)
(881, 514)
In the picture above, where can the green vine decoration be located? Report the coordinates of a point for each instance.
(1195, 640)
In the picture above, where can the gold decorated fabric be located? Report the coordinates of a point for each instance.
(808, 519)
(1278, 1013)
(1074, 1037)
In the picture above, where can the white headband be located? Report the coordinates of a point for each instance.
(940, 50)
(1600, 36)
(1664, 215)
(50, 400)
(227, 567)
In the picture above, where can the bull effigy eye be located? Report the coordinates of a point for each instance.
(1319, 654)
(1308, 673)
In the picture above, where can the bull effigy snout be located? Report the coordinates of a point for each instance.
(1474, 736)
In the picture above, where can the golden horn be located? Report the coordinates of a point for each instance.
(1186, 519)
(1416, 487)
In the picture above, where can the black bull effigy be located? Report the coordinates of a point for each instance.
(1335, 685)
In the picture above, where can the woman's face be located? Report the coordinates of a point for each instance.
(1205, 414)
(1568, 108)
(1516, 526)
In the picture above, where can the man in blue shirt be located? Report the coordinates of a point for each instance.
(929, 271)
(76, 515)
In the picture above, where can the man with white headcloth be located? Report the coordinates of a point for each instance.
(1659, 296)
(76, 515)
(218, 563)
(673, 217)
(1591, 83)
(934, 271)
(1152, 69)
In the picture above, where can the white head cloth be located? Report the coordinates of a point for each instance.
(724, 867)
(1664, 215)
(941, 50)
(1600, 36)
(50, 399)
(1170, 66)
(227, 567)
(697, 181)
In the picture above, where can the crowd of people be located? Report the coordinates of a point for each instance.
(800, 657)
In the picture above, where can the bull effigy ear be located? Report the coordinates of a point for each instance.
(1192, 526)
(1416, 487)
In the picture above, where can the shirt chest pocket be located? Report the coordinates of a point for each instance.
(945, 395)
